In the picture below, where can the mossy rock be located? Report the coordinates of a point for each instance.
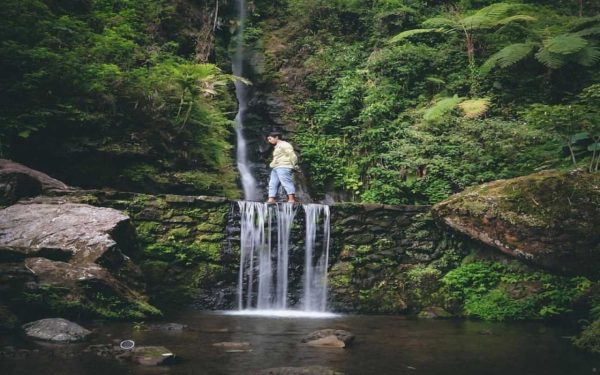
(549, 219)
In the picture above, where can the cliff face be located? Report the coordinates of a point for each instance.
(549, 219)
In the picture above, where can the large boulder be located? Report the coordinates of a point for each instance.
(18, 181)
(549, 219)
(74, 258)
(56, 330)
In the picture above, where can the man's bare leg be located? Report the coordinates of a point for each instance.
(271, 200)
(291, 198)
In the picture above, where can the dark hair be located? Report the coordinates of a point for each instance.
(275, 135)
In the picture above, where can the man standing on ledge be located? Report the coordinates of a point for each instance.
(283, 164)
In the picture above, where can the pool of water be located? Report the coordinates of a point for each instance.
(384, 345)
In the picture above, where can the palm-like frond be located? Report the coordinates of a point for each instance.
(516, 17)
(409, 33)
(441, 107)
(475, 22)
(474, 108)
(565, 44)
(594, 30)
(435, 80)
(496, 11)
(507, 56)
(551, 60)
(588, 56)
(436, 22)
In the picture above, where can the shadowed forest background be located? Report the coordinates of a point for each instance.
(395, 101)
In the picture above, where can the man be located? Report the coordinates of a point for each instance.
(283, 164)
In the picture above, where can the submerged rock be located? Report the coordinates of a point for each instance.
(434, 312)
(336, 338)
(150, 356)
(56, 330)
(309, 370)
(549, 219)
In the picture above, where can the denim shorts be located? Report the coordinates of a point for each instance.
(283, 176)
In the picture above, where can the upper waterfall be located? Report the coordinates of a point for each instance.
(251, 191)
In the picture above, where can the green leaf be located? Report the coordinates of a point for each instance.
(409, 33)
(578, 137)
(439, 22)
(594, 147)
(441, 107)
(507, 56)
(25, 133)
(588, 56)
(565, 44)
(551, 60)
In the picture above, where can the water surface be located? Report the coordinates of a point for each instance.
(384, 345)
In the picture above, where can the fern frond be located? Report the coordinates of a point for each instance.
(551, 60)
(595, 30)
(565, 44)
(588, 56)
(517, 17)
(496, 11)
(439, 22)
(475, 22)
(507, 56)
(441, 107)
(409, 33)
(435, 80)
(474, 108)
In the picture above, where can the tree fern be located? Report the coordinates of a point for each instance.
(436, 22)
(441, 107)
(565, 44)
(588, 56)
(507, 56)
(551, 60)
(595, 30)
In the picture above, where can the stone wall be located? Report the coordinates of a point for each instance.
(380, 257)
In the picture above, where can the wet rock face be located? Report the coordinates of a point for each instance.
(309, 370)
(70, 231)
(74, 258)
(18, 181)
(56, 330)
(549, 219)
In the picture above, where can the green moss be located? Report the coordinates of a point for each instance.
(210, 237)
(147, 230)
(589, 339)
(8, 320)
(208, 227)
(178, 233)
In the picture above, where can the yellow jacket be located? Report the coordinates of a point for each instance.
(284, 156)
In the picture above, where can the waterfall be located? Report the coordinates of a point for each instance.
(315, 274)
(264, 264)
(249, 184)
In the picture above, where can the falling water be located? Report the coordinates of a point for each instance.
(315, 274)
(263, 270)
(249, 184)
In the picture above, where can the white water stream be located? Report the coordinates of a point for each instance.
(263, 280)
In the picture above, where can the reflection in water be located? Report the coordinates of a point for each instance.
(384, 345)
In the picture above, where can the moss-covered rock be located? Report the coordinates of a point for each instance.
(549, 219)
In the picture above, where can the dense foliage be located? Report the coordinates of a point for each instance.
(406, 101)
(110, 92)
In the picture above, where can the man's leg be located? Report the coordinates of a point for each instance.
(286, 176)
(273, 186)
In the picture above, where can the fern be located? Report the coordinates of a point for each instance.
(441, 107)
(595, 30)
(409, 33)
(439, 22)
(507, 56)
(588, 56)
(565, 44)
(551, 60)
(518, 17)
(474, 108)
